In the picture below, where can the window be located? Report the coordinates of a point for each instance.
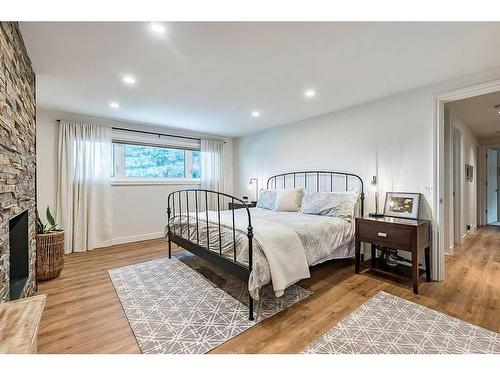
(137, 162)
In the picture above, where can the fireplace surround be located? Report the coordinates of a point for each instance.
(17, 166)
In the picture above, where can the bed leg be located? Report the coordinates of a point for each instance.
(168, 230)
(169, 247)
(250, 307)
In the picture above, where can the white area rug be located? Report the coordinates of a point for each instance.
(173, 309)
(387, 324)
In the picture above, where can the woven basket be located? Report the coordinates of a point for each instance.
(49, 255)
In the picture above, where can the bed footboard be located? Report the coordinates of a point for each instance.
(192, 206)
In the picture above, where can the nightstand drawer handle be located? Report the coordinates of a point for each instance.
(382, 234)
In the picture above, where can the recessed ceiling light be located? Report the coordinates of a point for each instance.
(129, 80)
(157, 28)
(255, 114)
(114, 105)
(310, 93)
(497, 108)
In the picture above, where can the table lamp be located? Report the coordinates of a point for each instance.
(374, 186)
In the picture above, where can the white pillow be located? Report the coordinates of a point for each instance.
(289, 200)
(335, 204)
(267, 199)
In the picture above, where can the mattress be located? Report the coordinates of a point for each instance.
(322, 237)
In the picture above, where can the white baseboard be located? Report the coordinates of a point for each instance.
(139, 237)
(450, 251)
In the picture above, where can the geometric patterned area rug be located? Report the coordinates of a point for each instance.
(387, 324)
(174, 309)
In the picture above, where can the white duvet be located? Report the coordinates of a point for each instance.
(285, 243)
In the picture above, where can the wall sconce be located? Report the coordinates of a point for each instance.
(374, 187)
(254, 182)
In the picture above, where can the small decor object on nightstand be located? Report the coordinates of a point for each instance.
(404, 205)
(392, 258)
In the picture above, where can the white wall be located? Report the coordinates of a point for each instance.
(498, 185)
(469, 189)
(138, 211)
(393, 135)
(448, 183)
(469, 145)
(46, 136)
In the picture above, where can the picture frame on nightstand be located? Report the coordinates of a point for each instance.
(402, 205)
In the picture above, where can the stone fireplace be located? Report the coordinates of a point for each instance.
(17, 166)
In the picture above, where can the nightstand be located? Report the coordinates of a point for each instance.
(236, 205)
(394, 233)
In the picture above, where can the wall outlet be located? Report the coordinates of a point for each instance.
(426, 189)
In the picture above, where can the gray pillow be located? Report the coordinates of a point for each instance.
(267, 199)
(335, 204)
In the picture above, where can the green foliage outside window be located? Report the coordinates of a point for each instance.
(157, 162)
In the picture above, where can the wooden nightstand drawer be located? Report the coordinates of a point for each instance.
(385, 235)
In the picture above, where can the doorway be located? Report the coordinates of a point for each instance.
(440, 200)
(467, 165)
(492, 180)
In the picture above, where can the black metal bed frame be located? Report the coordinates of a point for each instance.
(214, 255)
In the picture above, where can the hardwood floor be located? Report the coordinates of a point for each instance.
(83, 313)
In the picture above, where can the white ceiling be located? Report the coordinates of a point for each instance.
(208, 77)
(479, 113)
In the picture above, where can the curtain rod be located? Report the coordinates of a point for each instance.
(153, 133)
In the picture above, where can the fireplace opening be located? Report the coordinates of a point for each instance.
(18, 245)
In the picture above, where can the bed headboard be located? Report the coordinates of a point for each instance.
(327, 181)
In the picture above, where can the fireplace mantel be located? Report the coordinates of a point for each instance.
(20, 320)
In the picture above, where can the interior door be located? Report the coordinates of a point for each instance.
(492, 186)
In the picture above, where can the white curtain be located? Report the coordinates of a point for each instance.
(212, 168)
(83, 185)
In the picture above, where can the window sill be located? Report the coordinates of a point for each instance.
(139, 182)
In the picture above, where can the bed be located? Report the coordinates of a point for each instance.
(262, 246)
